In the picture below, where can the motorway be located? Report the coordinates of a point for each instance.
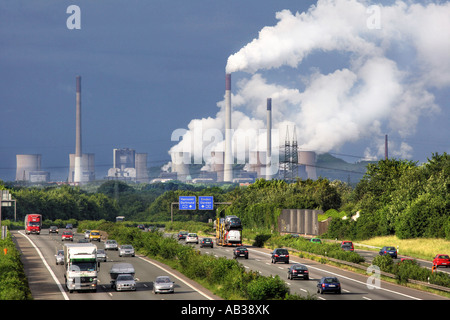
(354, 286)
(46, 279)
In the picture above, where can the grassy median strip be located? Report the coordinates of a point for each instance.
(226, 278)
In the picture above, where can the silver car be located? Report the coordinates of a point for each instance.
(125, 282)
(111, 245)
(126, 250)
(59, 257)
(101, 255)
(192, 237)
(163, 284)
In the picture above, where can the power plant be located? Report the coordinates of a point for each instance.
(269, 163)
(260, 164)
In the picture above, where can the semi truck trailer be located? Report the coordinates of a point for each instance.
(33, 223)
(229, 231)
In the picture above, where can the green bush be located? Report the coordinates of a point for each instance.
(13, 281)
(264, 288)
(261, 239)
(385, 263)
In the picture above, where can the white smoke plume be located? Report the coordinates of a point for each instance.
(393, 56)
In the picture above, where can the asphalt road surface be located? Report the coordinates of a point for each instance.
(46, 279)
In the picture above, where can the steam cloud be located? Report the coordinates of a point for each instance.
(385, 60)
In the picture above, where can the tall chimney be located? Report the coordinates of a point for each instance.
(228, 165)
(78, 152)
(269, 139)
(386, 147)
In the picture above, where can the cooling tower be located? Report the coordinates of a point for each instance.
(217, 158)
(255, 163)
(141, 167)
(78, 151)
(180, 165)
(27, 163)
(308, 159)
(228, 165)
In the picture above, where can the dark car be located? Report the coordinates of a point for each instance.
(298, 271)
(53, 229)
(240, 252)
(328, 284)
(206, 242)
(233, 223)
(69, 226)
(280, 255)
(182, 235)
(389, 251)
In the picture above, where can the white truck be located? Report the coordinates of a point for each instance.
(81, 266)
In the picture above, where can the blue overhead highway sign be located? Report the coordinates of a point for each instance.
(206, 203)
(187, 202)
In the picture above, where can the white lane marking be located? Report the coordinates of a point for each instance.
(66, 297)
(174, 275)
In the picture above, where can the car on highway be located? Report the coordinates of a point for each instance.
(280, 254)
(441, 260)
(126, 250)
(347, 246)
(125, 282)
(206, 242)
(111, 245)
(240, 252)
(328, 284)
(59, 257)
(298, 271)
(316, 240)
(94, 235)
(69, 226)
(163, 284)
(53, 229)
(389, 251)
(101, 255)
(192, 238)
(87, 233)
(67, 235)
(182, 235)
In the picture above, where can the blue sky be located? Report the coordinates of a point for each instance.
(150, 67)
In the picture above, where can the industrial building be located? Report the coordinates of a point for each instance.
(128, 165)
